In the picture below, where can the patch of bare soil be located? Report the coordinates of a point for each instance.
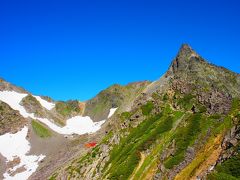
(46, 146)
(211, 160)
(60, 151)
(151, 173)
(49, 146)
(3, 166)
(56, 159)
(18, 170)
(13, 163)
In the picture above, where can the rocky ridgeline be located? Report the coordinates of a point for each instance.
(116, 96)
(6, 86)
(181, 126)
(186, 124)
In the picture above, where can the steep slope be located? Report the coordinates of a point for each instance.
(180, 127)
(112, 101)
(33, 129)
(10, 120)
(116, 96)
(6, 86)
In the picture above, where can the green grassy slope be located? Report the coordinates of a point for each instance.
(40, 129)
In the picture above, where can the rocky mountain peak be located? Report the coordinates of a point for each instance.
(186, 50)
(185, 59)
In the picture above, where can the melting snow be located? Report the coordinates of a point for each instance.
(112, 111)
(13, 99)
(45, 103)
(78, 124)
(16, 145)
(75, 125)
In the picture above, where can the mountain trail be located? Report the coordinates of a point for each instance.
(139, 165)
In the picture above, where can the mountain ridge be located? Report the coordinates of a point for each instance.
(166, 132)
(176, 127)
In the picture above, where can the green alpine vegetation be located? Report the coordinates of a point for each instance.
(183, 138)
(228, 169)
(125, 156)
(32, 105)
(147, 108)
(40, 129)
(186, 125)
(112, 97)
(69, 108)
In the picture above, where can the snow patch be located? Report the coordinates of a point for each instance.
(13, 99)
(112, 111)
(16, 145)
(45, 103)
(75, 125)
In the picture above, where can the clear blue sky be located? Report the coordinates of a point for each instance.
(73, 49)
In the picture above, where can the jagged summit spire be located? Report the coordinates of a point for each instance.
(186, 52)
(185, 47)
(186, 55)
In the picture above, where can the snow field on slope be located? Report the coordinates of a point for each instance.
(75, 125)
(17, 146)
(45, 103)
(112, 111)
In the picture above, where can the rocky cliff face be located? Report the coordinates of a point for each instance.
(183, 126)
(214, 86)
(10, 120)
